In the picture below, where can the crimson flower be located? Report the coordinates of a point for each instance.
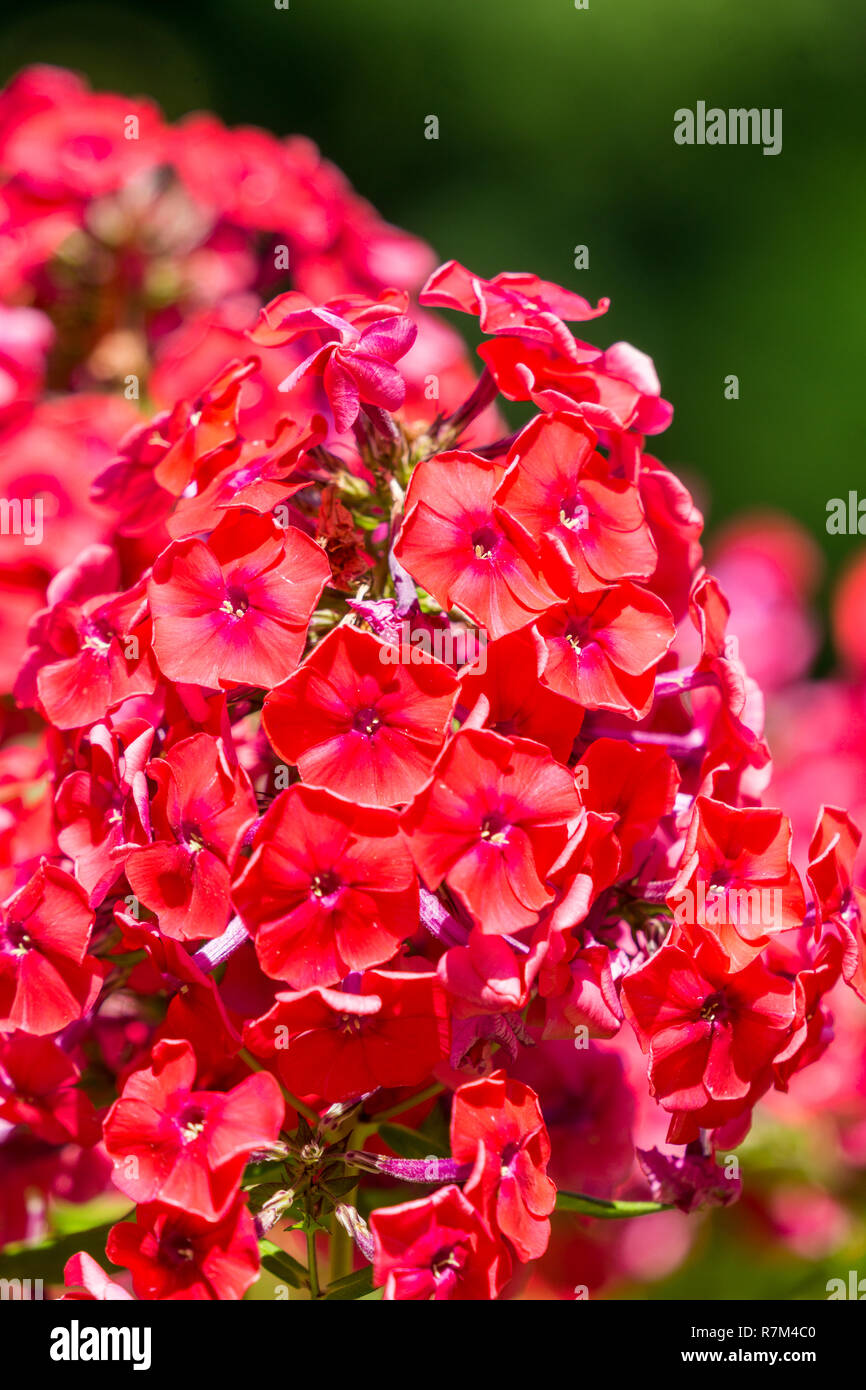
(327, 1042)
(361, 341)
(637, 784)
(254, 475)
(187, 1148)
(711, 1036)
(614, 391)
(491, 822)
(174, 1254)
(38, 1088)
(354, 721)
(497, 1126)
(201, 810)
(237, 609)
(47, 978)
(503, 692)
(86, 1282)
(160, 459)
(329, 888)
(603, 647)
(90, 647)
(103, 808)
(557, 488)
(736, 881)
(513, 304)
(437, 1248)
(459, 544)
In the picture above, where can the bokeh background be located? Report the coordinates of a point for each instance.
(556, 130)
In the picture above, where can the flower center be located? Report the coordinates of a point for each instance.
(97, 637)
(20, 940)
(575, 636)
(444, 1261)
(484, 542)
(713, 1006)
(192, 1123)
(324, 884)
(193, 836)
(494, 829)
(572, 514)
(366, 721)
(235, 603)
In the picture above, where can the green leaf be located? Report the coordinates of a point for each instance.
(354, 1286)
(409, 1143)
(339, 1187)
(283, 1265)
(377, 1293)
(46, 1261)
(609, 1211)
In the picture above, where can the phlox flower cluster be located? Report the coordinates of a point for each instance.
(320, 946)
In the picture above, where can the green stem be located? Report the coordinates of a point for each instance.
(610, 1211)
(407, 1104)
(312, 1262)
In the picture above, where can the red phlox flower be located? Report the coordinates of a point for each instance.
(175, 1254)
(90, 648)
(434, 1249)
(238, 608)
(512, 304)
(38, 1088)
(183, 1147)
(492, 821)
(603, 648)
(341, 1045)
(486, 975)
(676, 525)
(502, 691)
(253, 475)
(730, 708)
(815, 973)
(710, 1036)
(199, 814)
(577, 984)
(557, 487)
(638, 784)
(614, 391)
(501, 1118)
(102, 808)
(160, 458)
(360, 723)
(459, 544)
(362, 339)
(736, 882)
(47, 978)
(329, 888)
(590, 865)
(832, 852)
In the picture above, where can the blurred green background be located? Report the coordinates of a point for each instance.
(556, 129)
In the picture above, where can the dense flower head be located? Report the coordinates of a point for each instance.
(384, 797)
